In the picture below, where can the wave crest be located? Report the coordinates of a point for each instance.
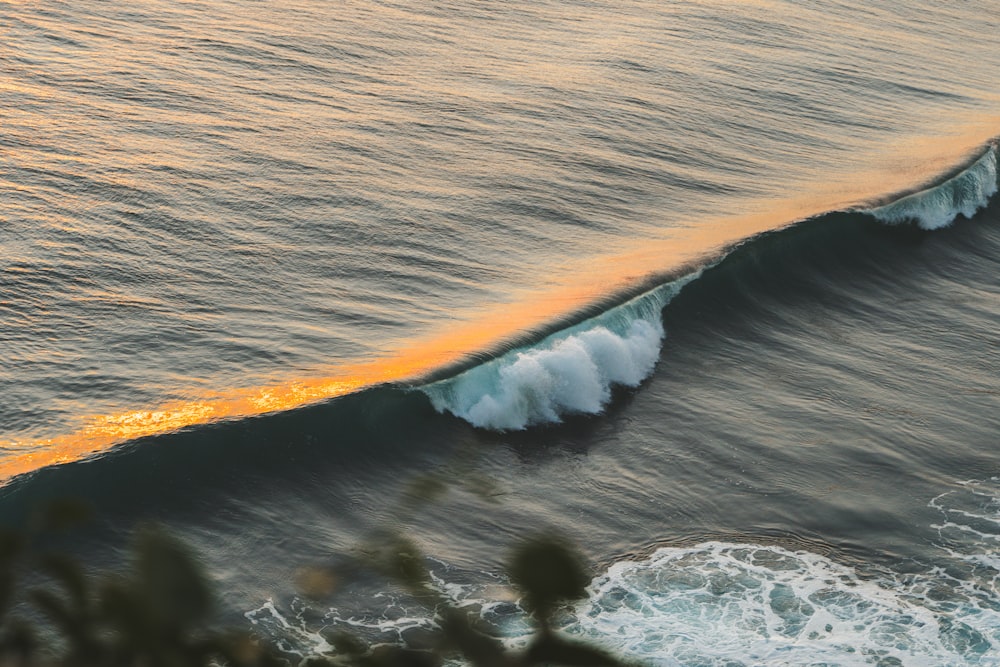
(573, 371)
(937, 207)
(569, 372)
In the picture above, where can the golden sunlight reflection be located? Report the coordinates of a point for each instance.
(570, 288)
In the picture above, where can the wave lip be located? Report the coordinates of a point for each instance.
(937, 207)
(569, 372)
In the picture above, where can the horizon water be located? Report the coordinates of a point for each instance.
(711, 288)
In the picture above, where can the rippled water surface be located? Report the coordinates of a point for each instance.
(710, 287)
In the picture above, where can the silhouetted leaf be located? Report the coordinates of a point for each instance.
(422, 638)
(171, 579)
(63, 513)
(155, 615)
(347, 644)
(317, 661)
(548, 571)
(18, 641)
(395, 656)
(239, 650)
(551, 649)
(477, 647)
(316, 582)
(68, 573)
(117, 599)
(403, 561)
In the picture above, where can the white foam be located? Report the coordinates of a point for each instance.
(970, 533)
(539, 385)
(291, 636)
(937, 207)
(745, 604)
(733, 604)
(570, 372)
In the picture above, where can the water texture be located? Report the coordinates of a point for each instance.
(709, 287)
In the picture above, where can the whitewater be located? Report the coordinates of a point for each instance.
(744, 603)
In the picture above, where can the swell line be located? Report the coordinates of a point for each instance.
(574, 371)
(546, 352)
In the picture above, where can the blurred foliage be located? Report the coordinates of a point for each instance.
(158, 613)
(546, 570)
(155, 614)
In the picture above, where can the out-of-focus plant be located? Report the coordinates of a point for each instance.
(157, 613)
(546, 570)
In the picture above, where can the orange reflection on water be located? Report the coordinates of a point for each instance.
(99, 432)
(570, 288)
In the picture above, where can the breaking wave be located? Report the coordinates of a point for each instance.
(569, 372)
(937, 207)
(573, 371)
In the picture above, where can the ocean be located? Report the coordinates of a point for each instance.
(712, 289)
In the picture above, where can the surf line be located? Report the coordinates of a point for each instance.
(574, 370)
(552, 321)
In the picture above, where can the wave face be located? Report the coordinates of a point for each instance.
(573, 371)
(569, 372)
(937, 207)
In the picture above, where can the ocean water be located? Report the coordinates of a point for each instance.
(711, 288)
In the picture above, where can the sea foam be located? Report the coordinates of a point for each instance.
(722, 603)
(937, 207)
(569, 372)
(735, 603)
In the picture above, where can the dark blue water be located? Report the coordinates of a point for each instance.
(721, 282)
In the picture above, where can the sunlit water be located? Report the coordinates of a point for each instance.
(710, 287)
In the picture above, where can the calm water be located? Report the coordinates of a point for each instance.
(712, 288)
